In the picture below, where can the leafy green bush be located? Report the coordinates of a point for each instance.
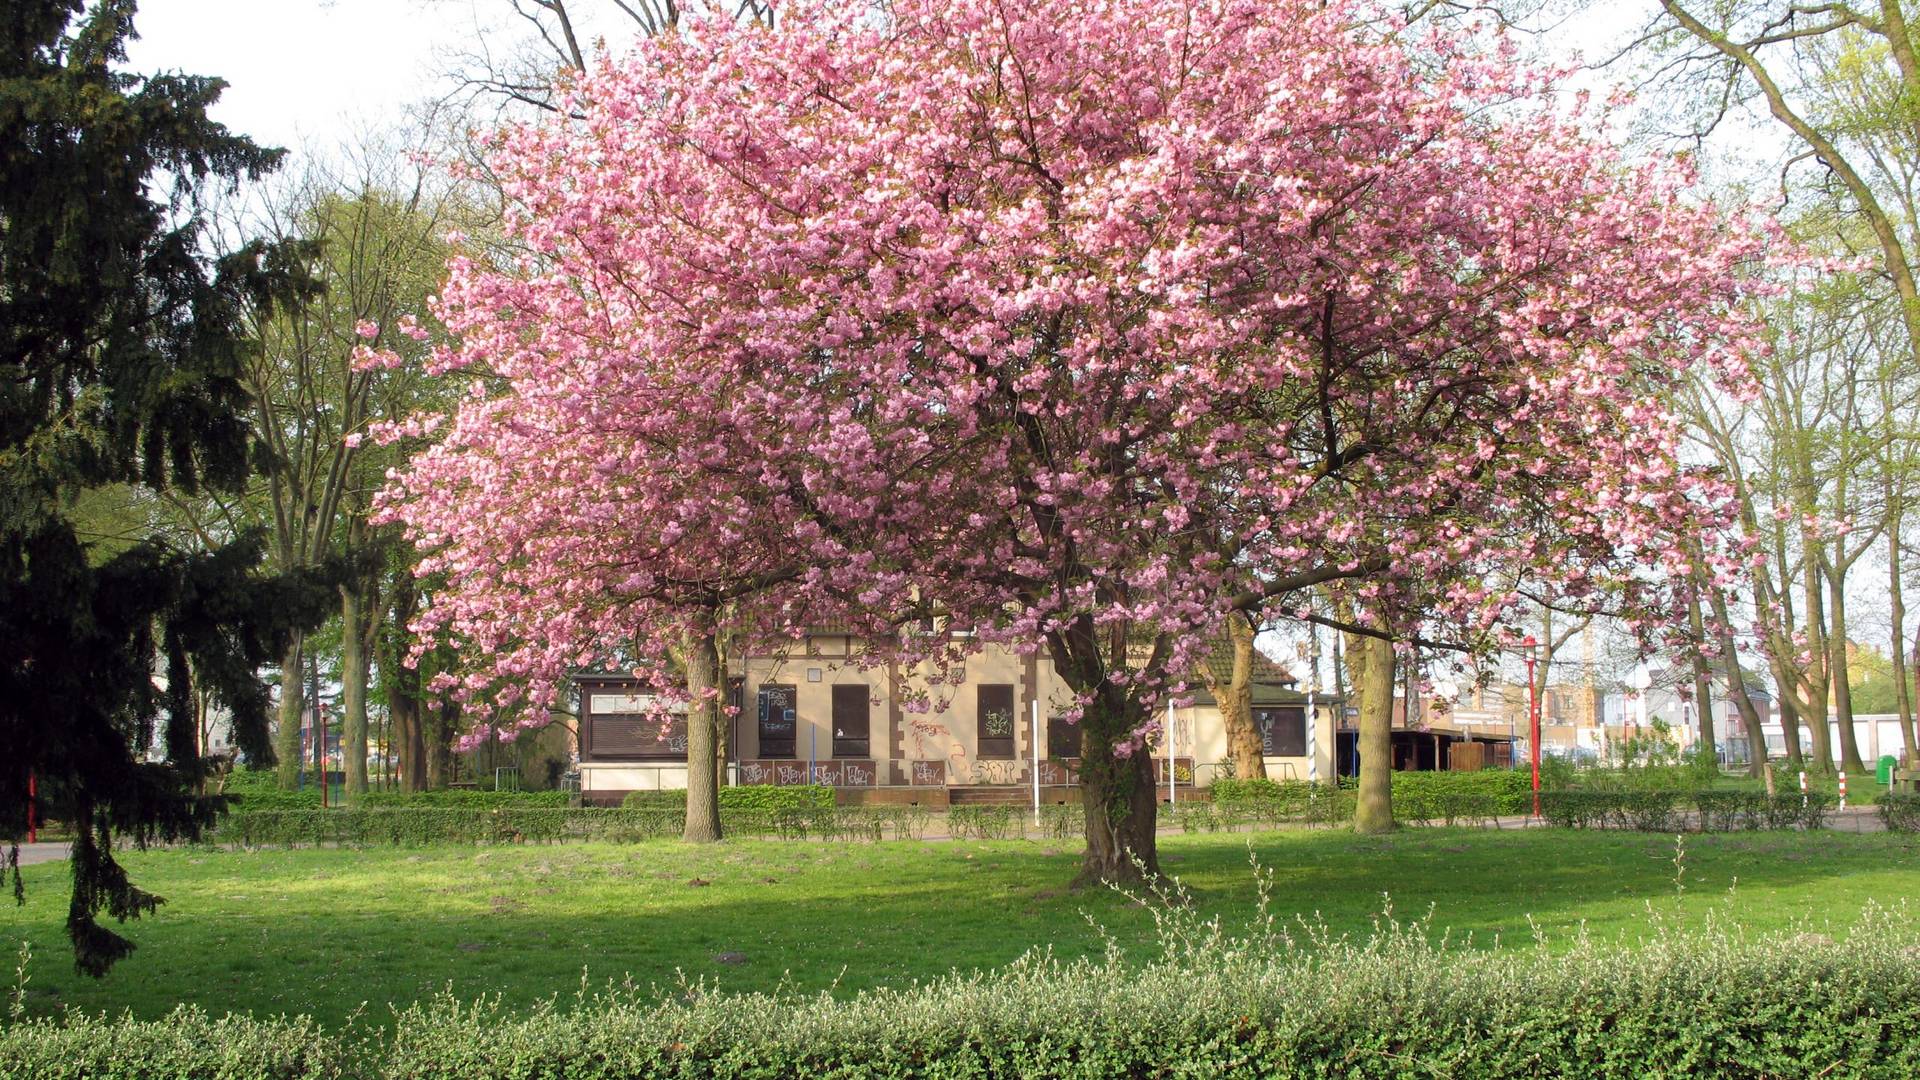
(1199, 1003)
(257, 789)
(1900, 813)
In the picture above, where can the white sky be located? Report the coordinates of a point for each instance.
(301, 70)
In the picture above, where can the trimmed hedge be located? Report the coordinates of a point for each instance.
(1201, 1005)
(741, 797)
(464, 798)
(1666, 811)
(537, 824)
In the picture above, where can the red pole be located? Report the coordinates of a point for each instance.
(1533, 723)
(33, 830)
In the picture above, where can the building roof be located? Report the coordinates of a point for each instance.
(1265, 671)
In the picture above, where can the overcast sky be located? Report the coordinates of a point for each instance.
(301, 69)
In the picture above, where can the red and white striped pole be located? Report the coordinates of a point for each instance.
(1803, 787)
(33, 823)
(1843, 789)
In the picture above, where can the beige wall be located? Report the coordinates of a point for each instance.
(946, 730)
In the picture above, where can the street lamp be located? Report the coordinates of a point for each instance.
(1533, 719)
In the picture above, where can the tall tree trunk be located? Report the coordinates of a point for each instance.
(402, 685)
(1902, 692)
(1702, 681)
(1837, 667)
(1818, 677)
(286, 737)
(1235, 698)
(1737, 685)
(441, 723)
(704, 680)
(354, 668)
(1371, 659)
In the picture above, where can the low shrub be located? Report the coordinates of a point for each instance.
(1900, 813)
(1199, 1003)
(988, 822)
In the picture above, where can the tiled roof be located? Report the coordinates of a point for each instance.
(1265, 670)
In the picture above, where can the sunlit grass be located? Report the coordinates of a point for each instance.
(322, 932)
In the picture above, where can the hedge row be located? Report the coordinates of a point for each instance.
(1201, 1005)
(427, 825)
(1666, 811)
(741, 797)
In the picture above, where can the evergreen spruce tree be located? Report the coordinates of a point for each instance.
(120, 348)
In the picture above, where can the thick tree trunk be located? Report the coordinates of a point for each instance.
(354, 669)
(1372, 661)
(704, 675)
(1838, 668)
(286, 737)
(1120, 797)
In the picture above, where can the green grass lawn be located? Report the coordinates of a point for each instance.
(323, 931)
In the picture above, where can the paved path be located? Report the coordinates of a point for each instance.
(39, 853)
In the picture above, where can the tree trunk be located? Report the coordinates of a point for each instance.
(441, 723)
(1789, 727)
(1897, 611)
(286, 738)
(1818, 677)
(1837, 669)
(1235, 697)
(1737, 685)
(354, 668)
(704, 678)
(1120, 797)
(1702, 682)
(1372, 662)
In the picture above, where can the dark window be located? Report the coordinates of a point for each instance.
(1283, 731)
(994, 713)
(1063, 739)
(620, 727)
(778, 721)
(851, 706)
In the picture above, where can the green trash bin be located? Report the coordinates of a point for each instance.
(1884, 771)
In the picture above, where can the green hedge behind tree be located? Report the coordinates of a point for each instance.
(1198, 1004)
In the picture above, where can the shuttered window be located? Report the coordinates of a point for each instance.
(852, 707)
(779, 720)
(994, 713)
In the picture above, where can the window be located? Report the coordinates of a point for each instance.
(1283, 731)
(778, 721)
(1063, 739)
(994, 714)
(851, 705)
